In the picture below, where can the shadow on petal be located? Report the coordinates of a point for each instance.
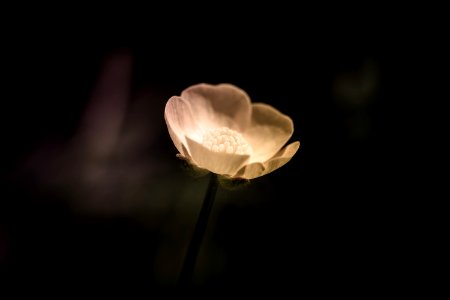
(251, 171)
(255, 170)
(269, 131)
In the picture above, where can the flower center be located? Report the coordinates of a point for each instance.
(225, 140)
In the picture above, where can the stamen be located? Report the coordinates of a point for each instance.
(226, 140)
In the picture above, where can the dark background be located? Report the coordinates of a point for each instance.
(122, 218)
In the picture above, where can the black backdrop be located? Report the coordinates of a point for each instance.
(322, 223)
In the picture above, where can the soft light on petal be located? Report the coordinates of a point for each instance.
(268, 132)
(180, 122)
(222, 105)
(216, 128)
(257, 169)
(219, 163)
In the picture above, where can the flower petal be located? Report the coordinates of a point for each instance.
(268, 132)
(280, 159)
(219, 163)
(180, 122)
(219, 105)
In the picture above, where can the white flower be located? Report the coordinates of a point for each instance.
(217, 128)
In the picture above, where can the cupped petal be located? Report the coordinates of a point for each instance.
(219, 105)
(268, 132)
(219, 163)
(254, 170)
(180, 122)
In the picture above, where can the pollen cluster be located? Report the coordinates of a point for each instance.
(226, 140)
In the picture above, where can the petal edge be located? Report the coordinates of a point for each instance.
(257, 169)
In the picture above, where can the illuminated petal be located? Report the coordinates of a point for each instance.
(257, 169)
(180, 122)
(219, 105)
(219, 163)
(204, 111)
(268, 132)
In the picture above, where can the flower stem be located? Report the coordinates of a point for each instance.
(185, 278)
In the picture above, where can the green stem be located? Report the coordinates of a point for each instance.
(185, 279)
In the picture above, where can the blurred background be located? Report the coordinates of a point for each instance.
(95, 197)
